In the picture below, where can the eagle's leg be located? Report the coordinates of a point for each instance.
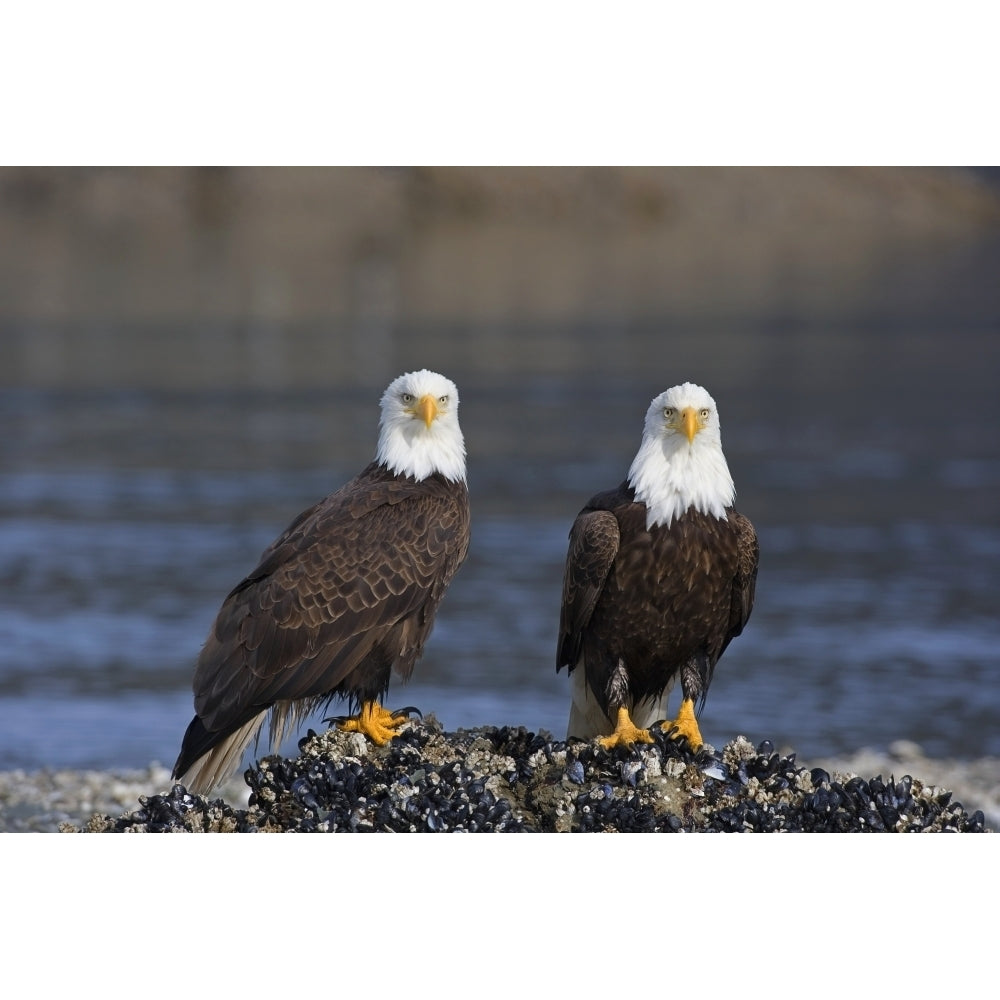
(686, 724)
(626, 733)
(375, 722)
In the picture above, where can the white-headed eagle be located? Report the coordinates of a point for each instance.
(659, 579)
(347, 593)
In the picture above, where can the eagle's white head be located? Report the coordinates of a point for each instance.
(418, 431)
(680, 462)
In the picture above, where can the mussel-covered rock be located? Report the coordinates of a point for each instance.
(511, 780)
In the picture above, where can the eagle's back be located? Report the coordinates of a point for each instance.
(348, 591)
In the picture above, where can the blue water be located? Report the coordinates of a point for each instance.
(126, 515)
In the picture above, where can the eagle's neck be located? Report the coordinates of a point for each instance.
(408, 448)
(669, 476)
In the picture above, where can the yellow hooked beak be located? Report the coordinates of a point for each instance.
(427, 409)
(690, 422)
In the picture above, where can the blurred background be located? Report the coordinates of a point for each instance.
(189, 357)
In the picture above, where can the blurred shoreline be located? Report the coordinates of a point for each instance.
(372, 247)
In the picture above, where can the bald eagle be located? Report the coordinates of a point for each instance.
(660, 577)
(344, 595)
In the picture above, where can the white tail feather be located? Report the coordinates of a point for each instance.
(587, 721)
(222, 760)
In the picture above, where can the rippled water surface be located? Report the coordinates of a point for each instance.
(868, 459)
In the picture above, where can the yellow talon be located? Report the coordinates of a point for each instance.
(373, 721)
(625, 734)
(686, 725)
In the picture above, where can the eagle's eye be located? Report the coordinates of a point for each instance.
(704, 413)
(442, 399)
(407, 398)
(669, 412)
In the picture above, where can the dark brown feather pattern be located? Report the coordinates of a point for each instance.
(660, 603)
(344, 595)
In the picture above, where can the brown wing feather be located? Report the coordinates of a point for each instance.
(745, 579)
(593, 545)
(332, 590)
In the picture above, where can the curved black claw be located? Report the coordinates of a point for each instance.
(406, 712)
(338, 719)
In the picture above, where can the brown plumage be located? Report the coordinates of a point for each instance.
(655, 591)
(344, 595)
